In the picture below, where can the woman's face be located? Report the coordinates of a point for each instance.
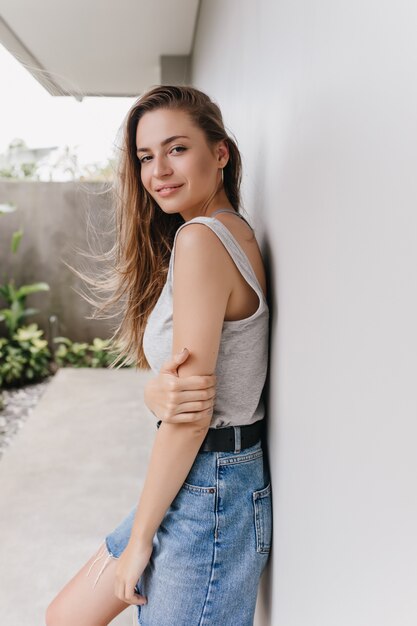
(178, 167)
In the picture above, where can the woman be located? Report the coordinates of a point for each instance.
(193, 550)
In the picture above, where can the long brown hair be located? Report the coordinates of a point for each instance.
(144, 234)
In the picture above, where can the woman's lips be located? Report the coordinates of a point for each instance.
(167, 191)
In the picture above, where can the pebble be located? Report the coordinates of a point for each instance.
(18, 406)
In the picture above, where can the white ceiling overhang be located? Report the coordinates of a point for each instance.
(101, 47)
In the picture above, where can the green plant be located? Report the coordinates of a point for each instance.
(101, 353)
(70, 353)
(74, 354)
(16, 312)
(16, 298)
(24, 357)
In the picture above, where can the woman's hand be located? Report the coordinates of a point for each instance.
(130, 567)
(174, 399)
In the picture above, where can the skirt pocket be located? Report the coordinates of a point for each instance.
(198, 489)
(262, 511)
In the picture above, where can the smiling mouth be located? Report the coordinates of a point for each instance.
(166, 190)
(167, 187)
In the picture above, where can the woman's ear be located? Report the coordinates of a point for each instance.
(222, 152)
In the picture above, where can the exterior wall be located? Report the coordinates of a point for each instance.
(55, 219)
(322, 99)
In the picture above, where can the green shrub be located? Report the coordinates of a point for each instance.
(13, 315)
(73, 354)
(25, 358)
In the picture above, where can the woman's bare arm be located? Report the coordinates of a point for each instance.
(202, 285)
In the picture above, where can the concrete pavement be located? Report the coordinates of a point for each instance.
(69, 477)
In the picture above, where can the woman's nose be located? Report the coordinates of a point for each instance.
(161, 166)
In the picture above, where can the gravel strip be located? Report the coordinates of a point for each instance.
(18, 406)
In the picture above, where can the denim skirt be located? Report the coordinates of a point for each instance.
(211, 546)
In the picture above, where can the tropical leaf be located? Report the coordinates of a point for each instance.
(27, 289)
(16, 239)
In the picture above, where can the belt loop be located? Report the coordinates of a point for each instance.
(237, 438)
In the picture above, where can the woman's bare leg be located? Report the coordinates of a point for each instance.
(88, 598)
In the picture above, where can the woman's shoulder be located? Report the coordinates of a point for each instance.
(195, 233)
(198, 248)
(198, 242)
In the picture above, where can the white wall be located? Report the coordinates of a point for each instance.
(322, 97)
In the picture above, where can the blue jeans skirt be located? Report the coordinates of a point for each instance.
(211, 546)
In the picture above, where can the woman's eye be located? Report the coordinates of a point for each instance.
(179, 148)
(144, 159)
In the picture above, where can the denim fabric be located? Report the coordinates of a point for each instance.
(211, 546)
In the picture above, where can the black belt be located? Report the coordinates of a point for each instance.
(227, 439)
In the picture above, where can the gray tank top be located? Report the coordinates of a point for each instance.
(242, 361)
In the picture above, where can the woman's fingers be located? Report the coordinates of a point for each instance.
(179, 394)
(127, 593)
(197, 395)
(132, 597)
(175, 402)
(171, 365)
(189, 401)
(192, 383)
(182, 399)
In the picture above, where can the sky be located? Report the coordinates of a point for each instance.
(30, 113)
